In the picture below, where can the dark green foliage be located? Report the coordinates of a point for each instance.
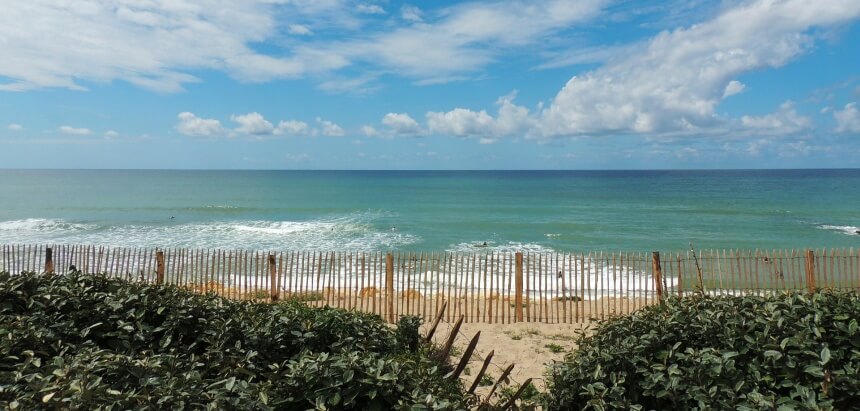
(407, 332)
(83, 342)
(530, 399)
(787, 352)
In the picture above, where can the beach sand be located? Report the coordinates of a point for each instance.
(530, 346)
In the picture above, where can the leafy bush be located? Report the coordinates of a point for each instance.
(85, 342)
(785, 352)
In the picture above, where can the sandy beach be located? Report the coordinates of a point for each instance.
(530, 346)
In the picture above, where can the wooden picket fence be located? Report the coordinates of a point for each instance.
(489, 287)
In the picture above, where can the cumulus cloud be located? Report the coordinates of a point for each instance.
(191, 125)
(294, 128)
(511, 119)
(734, 87)
(674, 82)
(786, 120)
(330, 129)
(369, 131)
(401, 124)
(847, 119)
(461, 122)
(15, 127)
(75, 131)
(253, 123)
(111, 134)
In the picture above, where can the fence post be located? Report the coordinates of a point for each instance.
(810, 270)
(159, 267)
(518, 297)
(389, 287)
(658, 275)
(49, 260)
(273, 278)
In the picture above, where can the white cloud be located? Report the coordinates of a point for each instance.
(75, 131)
(330, 129)
(15, 127)
(111, 134)
(369, 131)
(847, 119)
(370, 9)
(92, 41)
(299, 30)
(101, 41)
(784, 121)
(464, 37)
(253, 123)
(401, 124)
(675, 81)
(294, 128)
(510, 120)
(461, 122)
(191, 125)
(734, 87)
(410, 13)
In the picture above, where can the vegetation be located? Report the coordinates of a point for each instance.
(786, 352)
(87, 342)
(554, 348)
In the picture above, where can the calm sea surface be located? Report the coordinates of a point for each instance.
(433, 210)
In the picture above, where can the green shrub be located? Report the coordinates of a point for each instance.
(785, 352)
(83, 342)
(407, 335)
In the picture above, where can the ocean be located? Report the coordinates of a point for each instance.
(456, 211)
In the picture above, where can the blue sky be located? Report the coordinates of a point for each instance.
(337, 84)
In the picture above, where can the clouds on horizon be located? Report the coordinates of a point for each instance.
(253, 124)
(74, 131)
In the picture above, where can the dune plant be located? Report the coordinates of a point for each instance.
(783, 352)
(88, 342)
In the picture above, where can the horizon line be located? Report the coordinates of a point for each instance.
(428, 169)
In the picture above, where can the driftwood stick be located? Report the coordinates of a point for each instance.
(467, 355)
(439, 315)
(446, 349)
(481, 373)
(502, 377)
(516, 395)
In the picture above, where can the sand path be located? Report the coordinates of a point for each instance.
(530, 346)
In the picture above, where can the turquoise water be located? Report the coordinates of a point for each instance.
(433, 210)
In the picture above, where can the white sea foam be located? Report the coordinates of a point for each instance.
(495, 247)
(43, 225)
(846, 229)
(353, 232)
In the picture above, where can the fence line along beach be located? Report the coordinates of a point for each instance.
(488, 287)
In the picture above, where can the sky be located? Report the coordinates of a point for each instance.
(341, 84)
